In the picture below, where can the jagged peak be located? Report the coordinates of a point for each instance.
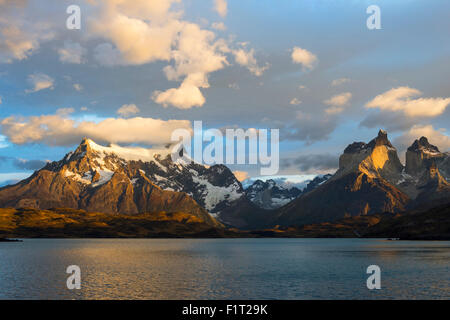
(423, 145)
(381, 140)
(376, 157)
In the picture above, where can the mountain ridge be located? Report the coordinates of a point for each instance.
(131, 181)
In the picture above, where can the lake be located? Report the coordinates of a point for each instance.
(224, 269)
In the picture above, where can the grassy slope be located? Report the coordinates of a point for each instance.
(69, 223)
(29, 223)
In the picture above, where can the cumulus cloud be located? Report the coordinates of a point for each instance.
(188, 95)
(221, 7)
(340, 81)
(136, 33)
(78, 87)
(295, 101)
(39, 81)
(247, 59)
(339, 99)
(20, 32)
(72, 52)
(141, 31)
(241, 175)
(307, 59)
(127, 110)
(337, 103)
(148, 31)
(402, 99)
(60, 130)
(438, 137)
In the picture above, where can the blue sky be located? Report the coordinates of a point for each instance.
(228, 69)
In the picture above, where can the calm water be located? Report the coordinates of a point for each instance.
(224, 269)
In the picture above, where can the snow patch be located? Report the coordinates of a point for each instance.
(213, 195)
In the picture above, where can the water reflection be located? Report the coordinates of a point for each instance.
(224, 269)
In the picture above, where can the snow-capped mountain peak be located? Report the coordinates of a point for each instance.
(92, 165)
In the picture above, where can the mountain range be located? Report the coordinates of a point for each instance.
(371, 179)
(271, 194)
(132, 181)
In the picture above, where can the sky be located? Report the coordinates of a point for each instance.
(137, 70)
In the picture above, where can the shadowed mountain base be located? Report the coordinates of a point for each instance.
(432, 224)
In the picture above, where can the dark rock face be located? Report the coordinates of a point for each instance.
(421, 155)
(316, 182)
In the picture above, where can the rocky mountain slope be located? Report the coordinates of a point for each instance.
(268, 195)
(371, 179)
(114, 180)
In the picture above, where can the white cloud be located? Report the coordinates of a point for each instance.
(138, 37)
(295, 101)
(339, 100)
(78, 87)
(247, 59)
(338, 82)
(221, 7)
(61, 130)
(307, 59)
(39, 81)
(1, 99)
(128, 110)
(72, 52)
(401, 99)
(20, 31)
(140, 32)
(188, 95)
(148, 31)
(219, 26)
